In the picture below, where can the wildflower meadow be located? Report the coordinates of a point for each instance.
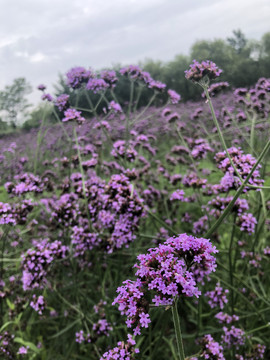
(138, 232)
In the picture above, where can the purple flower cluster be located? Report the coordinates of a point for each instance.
(38, 303)
(211, 349)
(233, 337)
(97, 85)
(78, 76)
(174, 97)
(243, 164)
(226, 318)
(135, 73)
(62, 102)
(247, 223)
(217, 297)
(26, 183)
(191, 179)
(172, 269)
(198, 71)
(115, 211)
(81, 337)
(115, 107)
(256, 353)
(122, 150)
(7, 345)
(16, 213)
(179, 195)
(65, 210)
(217, 205)
(47, 97)
(109, 76)
(216, 88)
(123, 351)
(37, 262)
(73, 115)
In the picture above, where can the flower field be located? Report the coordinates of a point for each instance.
(138, 232)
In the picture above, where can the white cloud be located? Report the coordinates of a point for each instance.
(41, 38)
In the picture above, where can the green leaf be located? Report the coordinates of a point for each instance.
(27, 343)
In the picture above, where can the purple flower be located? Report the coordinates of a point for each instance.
(78, 76)
(72, 114)
(22, 350)
(198, 71)
(233, 337)
(41, 87)
(211, 349)
(47, 97)
(172, 269)
(115, 107)
(217, 297)
(97, 85)
(62, 102)
(109, 76)
(174, 97)
(123, 351)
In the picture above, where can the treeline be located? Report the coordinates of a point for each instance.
(243, 62)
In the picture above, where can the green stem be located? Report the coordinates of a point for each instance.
(220, 132)
(161, 222)
(83, 180)
(177, 327)
(231, 264)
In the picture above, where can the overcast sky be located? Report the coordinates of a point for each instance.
(41, 38)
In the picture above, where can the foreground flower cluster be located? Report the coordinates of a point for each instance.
(173, 269)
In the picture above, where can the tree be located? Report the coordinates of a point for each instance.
(238, 41)
(13, 100)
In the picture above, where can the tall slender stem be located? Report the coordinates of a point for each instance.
(177, 327)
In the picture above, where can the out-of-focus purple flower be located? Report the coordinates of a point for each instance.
(216, 88)
(41, 87)
(217, 297)
(23, 350)
(73, 114)
(123, 351)
(78, 76)
(47, 97)
(211, 349)
(96, 85)
(62, 102)
(38, 303)
(226, 318)
(198, 71)
(174, 97)
(109, 76)
(115, 107)
(233, 337)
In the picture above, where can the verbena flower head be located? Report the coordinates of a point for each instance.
(211, 349)
(62, 102)
(174, 97)
(109, 76)
(243, 163)
(198, 71)
(217, 297)
(123, 351)
(73, 114)
(78, 76)
(47, 97)
(97, 85)
(172, 269)
(41, 87)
